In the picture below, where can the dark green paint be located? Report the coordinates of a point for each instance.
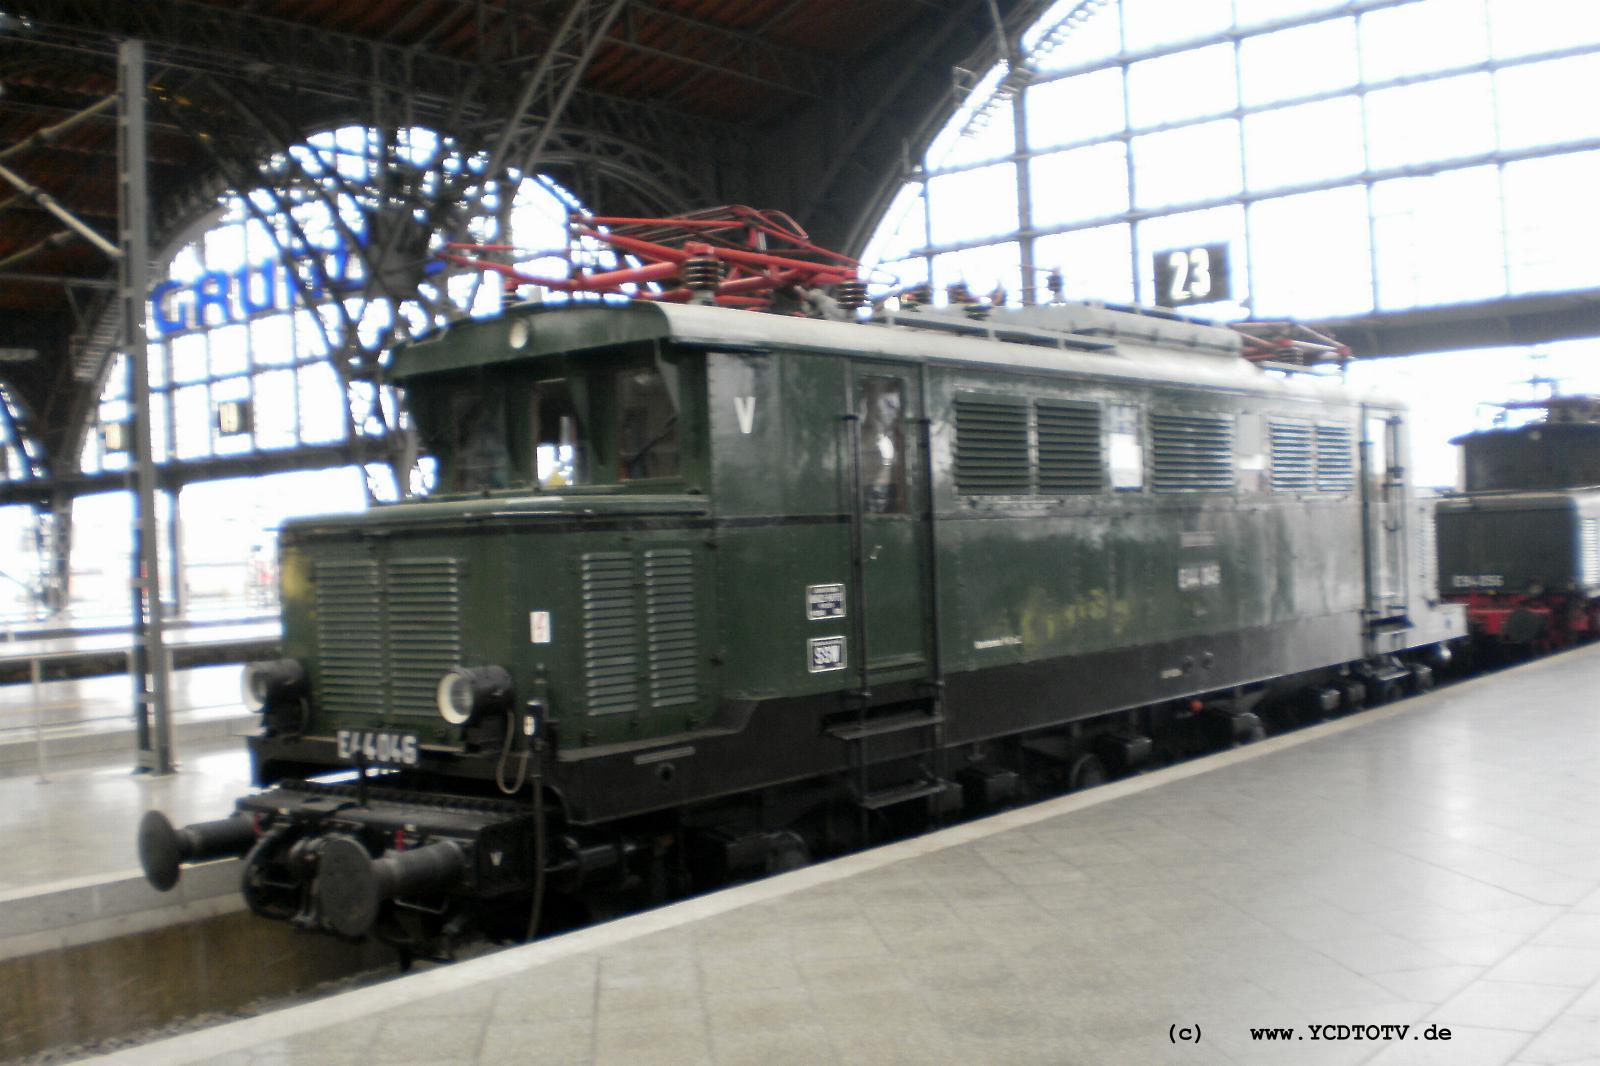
(767, 435)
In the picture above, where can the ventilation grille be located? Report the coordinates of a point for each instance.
(610, 633)
(1191, 453)
(991, 447)
(1293, 457)
(387, 633)
(1590, 536)
(670, 624)
(1069, 448)
(424, 630)
(1336, 458)
(350, 636)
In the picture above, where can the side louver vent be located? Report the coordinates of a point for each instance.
(1069, 447)
(350, 636)
(610, 633)
(1191, 452)
(1293, 457)
(991, 446)
(670, 625)
(1336, 458)
(424, 624)
(1590, 548)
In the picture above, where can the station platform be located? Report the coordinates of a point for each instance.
(69, 653)
(89, 721)
(66, 693)
(1431, 865)
(79, 823)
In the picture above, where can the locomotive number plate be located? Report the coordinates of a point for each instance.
(359, 744)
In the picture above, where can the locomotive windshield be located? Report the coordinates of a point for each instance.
(494, 430)
(647, 425)
(524, 427)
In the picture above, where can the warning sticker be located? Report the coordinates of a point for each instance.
(539, 625)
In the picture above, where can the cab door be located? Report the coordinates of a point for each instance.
(1383, 487)
(888, 531)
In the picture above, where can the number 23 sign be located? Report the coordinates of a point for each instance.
(1194, 275)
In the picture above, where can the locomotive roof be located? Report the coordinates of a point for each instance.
(1115, 346)
(1532, 430)
(1572, 415)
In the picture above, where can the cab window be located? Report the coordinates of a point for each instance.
(883, 445)
(558, 457)
(647, 426)
(492, 431)
(477, 422)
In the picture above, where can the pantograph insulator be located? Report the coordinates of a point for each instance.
(701, 273)
(850, 295)
(1056, 284)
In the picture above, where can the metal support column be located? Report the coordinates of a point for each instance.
(1024, 164)
(151, 681)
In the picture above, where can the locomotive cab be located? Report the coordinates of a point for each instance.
(550, 594)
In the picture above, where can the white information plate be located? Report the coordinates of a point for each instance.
(824, 601)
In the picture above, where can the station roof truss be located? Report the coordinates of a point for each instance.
(639, 107)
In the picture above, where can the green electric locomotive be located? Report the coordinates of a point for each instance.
(703, 591)
(1519, 544)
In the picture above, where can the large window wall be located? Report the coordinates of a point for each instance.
(22, 534)
(268, 336)
(1452, 393)
(272, 305)
(1356, 157)
(19, 452)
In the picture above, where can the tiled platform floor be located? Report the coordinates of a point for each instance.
(1434, 862)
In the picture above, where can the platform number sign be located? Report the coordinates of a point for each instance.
(1194, 275)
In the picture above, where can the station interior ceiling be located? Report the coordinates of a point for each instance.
(647, 107)
(644, 107)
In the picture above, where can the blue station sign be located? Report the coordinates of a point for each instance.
(220, 298)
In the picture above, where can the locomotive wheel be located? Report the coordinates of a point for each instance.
(1087, 771)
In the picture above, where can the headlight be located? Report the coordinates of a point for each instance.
(261, 683)
(469, 691)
